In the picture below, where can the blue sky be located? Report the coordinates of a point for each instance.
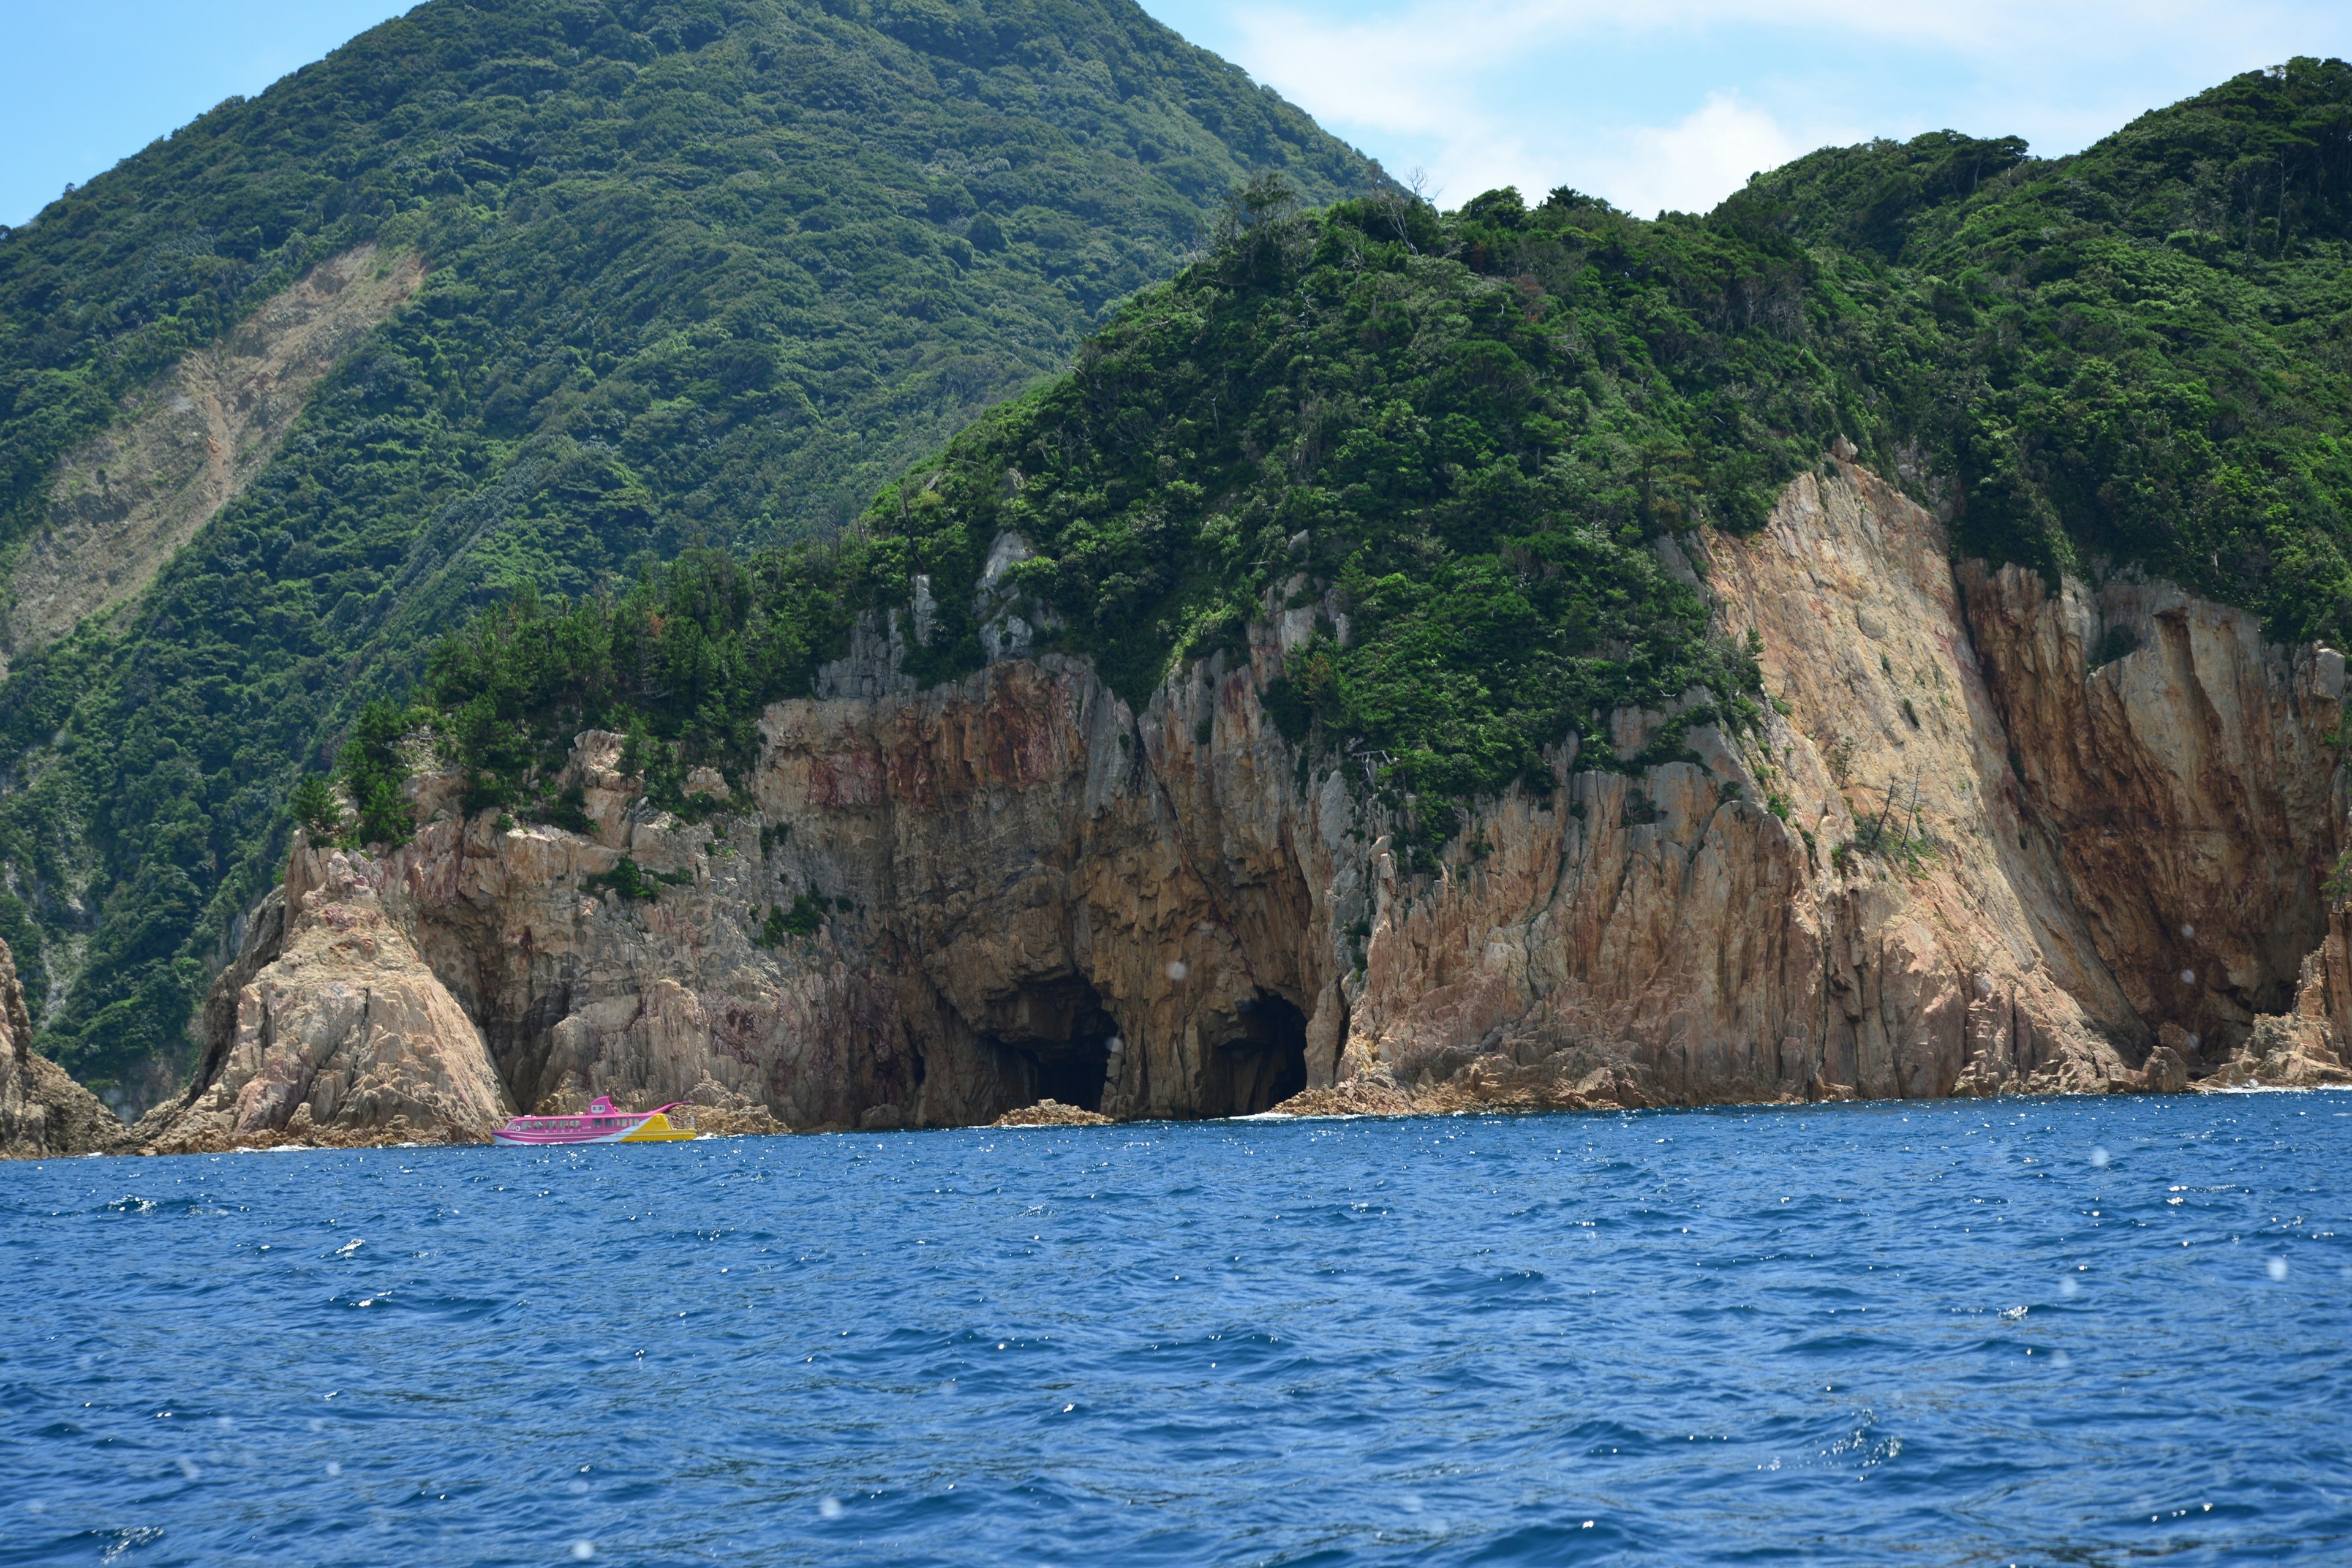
(1670, 104)
(1674, 103)
(86, 83)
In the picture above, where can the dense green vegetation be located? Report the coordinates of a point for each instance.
(1463, 433)
(1472, 427)
(1476, 462)
(682, 663)
(2138, 356)
(702, 272)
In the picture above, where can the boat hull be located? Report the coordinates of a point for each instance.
(550, 1131)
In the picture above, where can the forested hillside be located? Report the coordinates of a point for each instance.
(700, 272)
(1474, 427)
(1463, 433)
(2141, 354)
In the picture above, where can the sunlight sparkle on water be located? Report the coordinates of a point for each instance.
(1663, 1336)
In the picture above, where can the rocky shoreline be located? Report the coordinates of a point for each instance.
(1995, 836)
(1354, 1099)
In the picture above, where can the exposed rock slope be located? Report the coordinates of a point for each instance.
(188, 445)
(331, 1028)
(43, 1112)
(2187, 784)
(1957, 858)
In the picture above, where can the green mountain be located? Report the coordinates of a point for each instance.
(1466, 432)
(1463, 432)
(630, 277)
(2141, 354)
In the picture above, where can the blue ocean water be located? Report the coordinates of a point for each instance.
(2040, 1331)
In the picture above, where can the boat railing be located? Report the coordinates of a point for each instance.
(680, 1116)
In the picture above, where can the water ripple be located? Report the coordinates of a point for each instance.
(1855, 1334)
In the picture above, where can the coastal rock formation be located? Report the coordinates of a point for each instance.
(331, 1028)
(1992, 836)
(2305, 1047)
(1051, 1113)
(2183, 775)
(43, 1112)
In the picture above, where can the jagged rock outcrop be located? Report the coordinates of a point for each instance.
(2305, 1047)
(44, 1113)
(330, 1029)
(1979, 845)
(1051, 1113)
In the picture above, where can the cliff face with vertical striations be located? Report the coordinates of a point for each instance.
(1994, 837)
(2186, 783)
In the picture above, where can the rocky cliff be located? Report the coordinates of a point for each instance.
(1992, 836)
(328, 1029)
(43, 1112)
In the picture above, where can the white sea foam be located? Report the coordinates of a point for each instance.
(2258, 1087)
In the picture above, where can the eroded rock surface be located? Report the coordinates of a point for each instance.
(183, 447)
(1051, 1113)
(2182, 771)
(42, 1111)
(330, 1029)
(1979, 845)
(2305, 1047)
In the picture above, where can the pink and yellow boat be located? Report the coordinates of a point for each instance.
(600, 1124)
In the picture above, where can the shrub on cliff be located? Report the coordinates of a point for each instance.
(682, 662)
(1467, 467)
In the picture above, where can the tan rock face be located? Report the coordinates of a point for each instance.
(331, 1024)
(2187, 786)
(2304, 1047)
(953, 904)
(1711, 931)
(183, 447)
(44, 1113)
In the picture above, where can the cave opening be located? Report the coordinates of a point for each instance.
(1075, 1074)
(1055, 1039)
(1260, 1066)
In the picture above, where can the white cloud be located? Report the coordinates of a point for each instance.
(1440, 32)
(1691, 166)
(1487, 94)
(1409, 78)
(1399, 76)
